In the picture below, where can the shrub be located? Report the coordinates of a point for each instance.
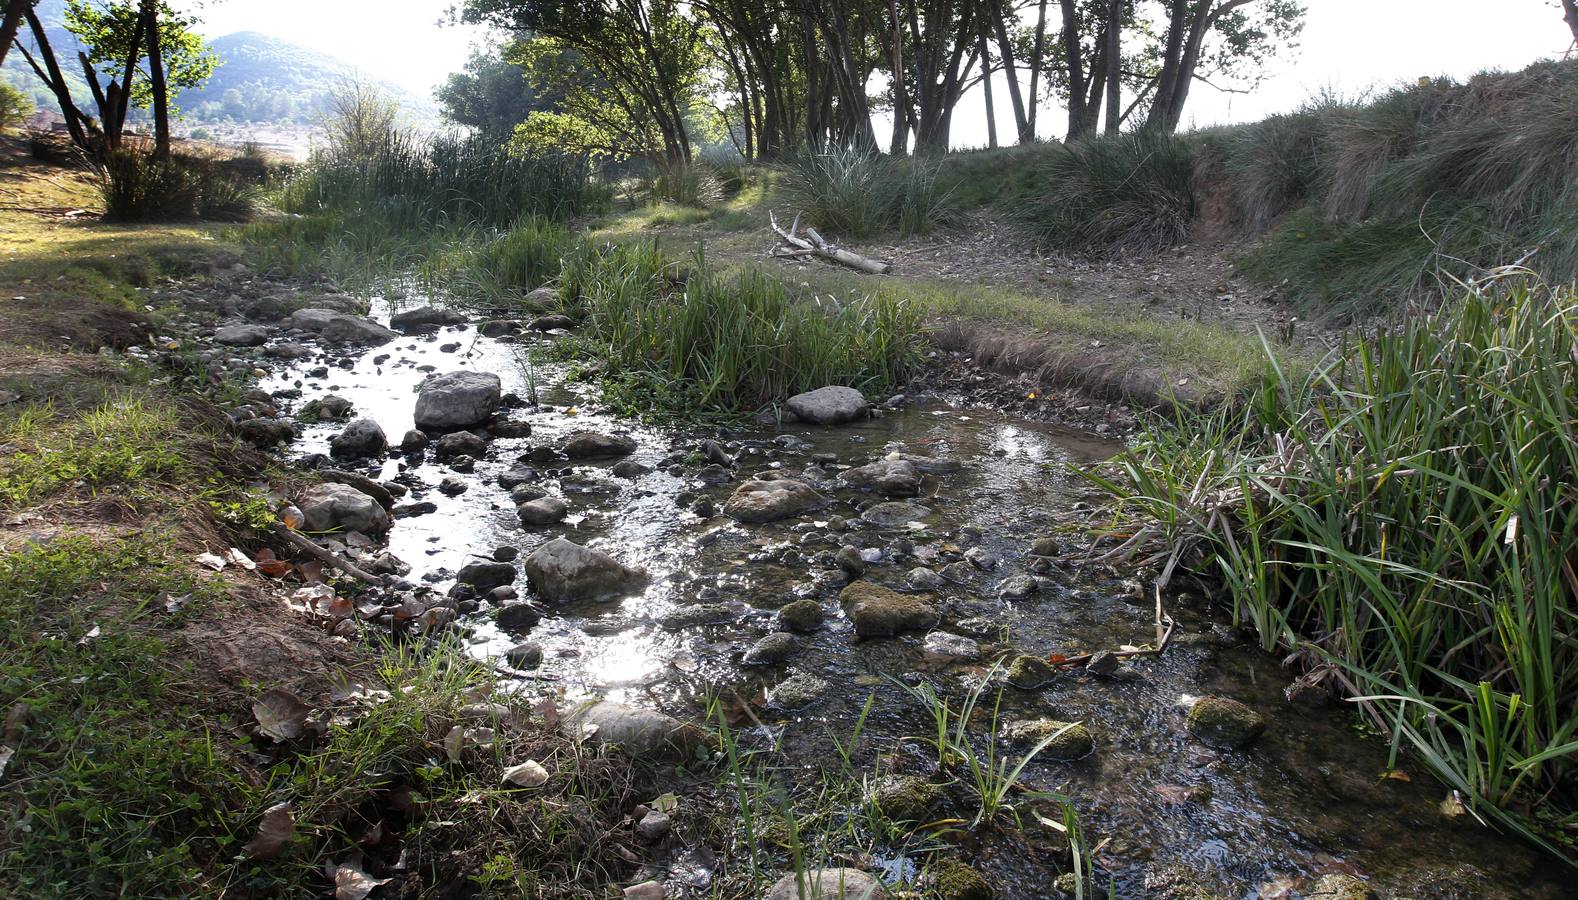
(1126, 194)
(15, 108)
(137, 186)
(857, 194)
(1403, 522)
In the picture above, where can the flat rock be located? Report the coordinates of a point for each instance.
(828, 884)
(894, 514)
(877, 611)
(312, 318)
(596, 445)
(768, 500)
(330, 506)
(344, 329)
(486, 575)
(562, 571)
(424, 319)
(242, 335)
(1224, 723)
(457, 400)
(771, 650)
(641, 732)
(797, 690)
(891, 477)
(831, 405)
(1068, 740)
(542, 511)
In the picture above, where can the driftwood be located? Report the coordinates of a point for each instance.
(813, 244)
(324, 556)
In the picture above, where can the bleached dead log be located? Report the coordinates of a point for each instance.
(813, 244)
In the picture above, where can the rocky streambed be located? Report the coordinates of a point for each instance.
(798, 571)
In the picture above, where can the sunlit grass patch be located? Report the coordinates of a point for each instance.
(122, 442)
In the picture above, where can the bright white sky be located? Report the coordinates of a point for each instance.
(1349, 45)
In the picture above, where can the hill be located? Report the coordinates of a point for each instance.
(261, 80)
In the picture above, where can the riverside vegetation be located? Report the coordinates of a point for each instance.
(1393, 518)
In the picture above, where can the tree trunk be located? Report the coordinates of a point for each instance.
(1035, 63)
(1171, 55)
(1569, 15)
(1076, 73)
(986, 86)
(10, 25)
(1114, 66)
(1005, 50)
(123, 100)
(57, 83)
(161, 97)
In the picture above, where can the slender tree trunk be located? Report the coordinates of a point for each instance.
(123, 100)
(1172, 53)
(900, 143)
(1005, 50)
(986, 86)
(1114, 66)
(1095, 85)
(1076, 73)
(1035, 64)
(75, 125)
(1569, 15)
(10, 25)
(161, 97)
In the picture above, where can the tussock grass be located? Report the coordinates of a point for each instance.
(857, 194)
(1403, 522)
(1127, 194)
(692, 339)
(138, 187)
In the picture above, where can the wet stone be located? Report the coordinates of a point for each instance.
(771, 650)
(629, 469)
(413, 441)
(525, 493)
(892, 477)
(460, 443)
(457, 400)
(331, 506)
(346, 329)
(1029, 673)
(266, 432)
(696, 616)
(551, 323)
(1102, 662)
(828, 884)
(1069, 740)
(242, 335)
(1224, 723)
(517, 475)
(542, 511)
(1046, 547)
(596, 445)
(957, 572)
(505, 554)
(894, 514)
(360, 439)
(796, 691)
(832, 405)
(562, 571)
(906, 798)
(425, 319)
(921, 578)
(980, 558)
(850, 561)
(453, 486)
(640, 731)
(801, 615)
(877, 611)
(1016, 587)
(714, 474)
(1338, 886)
(524, 656)
(767, 500)
(955, 880)
(518, 618)
(951, 646)
(414, 509)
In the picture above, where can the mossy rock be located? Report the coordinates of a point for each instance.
(1029, 673)
(955, 880)
(801, 615)
(1072, 741)
(906, 798)
(877, 611)
(1337, 886)
(1224, 723)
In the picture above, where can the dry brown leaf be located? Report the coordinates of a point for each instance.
(274, 832)
(351, 883)
(280, 714)
(454, 742)
(547, 710)
(529, 774)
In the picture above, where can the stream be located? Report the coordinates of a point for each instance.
(1173, 817)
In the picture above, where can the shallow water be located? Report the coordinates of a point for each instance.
(1308, 798)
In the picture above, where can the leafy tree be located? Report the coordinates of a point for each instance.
(15, 107)
(493, 95)
(1228, 39)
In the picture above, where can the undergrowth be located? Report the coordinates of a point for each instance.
(1403, 522)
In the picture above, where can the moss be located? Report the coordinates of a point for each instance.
(906, 798)
(1029, 673)
(877, 611)
(1224, 723)
(801, 615)
(955, 880)
(1070, 741)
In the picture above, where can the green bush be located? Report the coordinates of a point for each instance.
(856, 194)
(1132, 193)
(15, 108)
(1403, 522)
(137, 186)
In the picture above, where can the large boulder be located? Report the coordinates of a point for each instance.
(424, 319)
(828, 884)
(563, 571)
(644, 733)
(768, 500)
(361, 438)
(831, 405)
(596, 445)
(1225, 723)
(330, 506)
(877, 611)
(242, 335)
(892, 477)
(485, 575)
(345, 329)
(313, 318)
(457, 400)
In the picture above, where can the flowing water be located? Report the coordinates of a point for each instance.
(1307, 798)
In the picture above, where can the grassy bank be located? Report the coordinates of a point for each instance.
(1402, 521)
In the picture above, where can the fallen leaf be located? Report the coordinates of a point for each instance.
(351, 883)
(279, 823)
(237, 558)
(1452, 806)
(1396, 775)
(665, 803)
(547, 710)
(454, 742)
(280, 714)
(273, 568)
(211, 560)
(528, 774)
(174, 603)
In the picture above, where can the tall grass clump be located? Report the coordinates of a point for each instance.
(1273, 166)
(855, 194)
(1131, 193)
(692, 339)
(508, 265)
(137, 186)
(1404, 522)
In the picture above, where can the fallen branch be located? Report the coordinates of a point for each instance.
(324, 556)
(813, 244)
